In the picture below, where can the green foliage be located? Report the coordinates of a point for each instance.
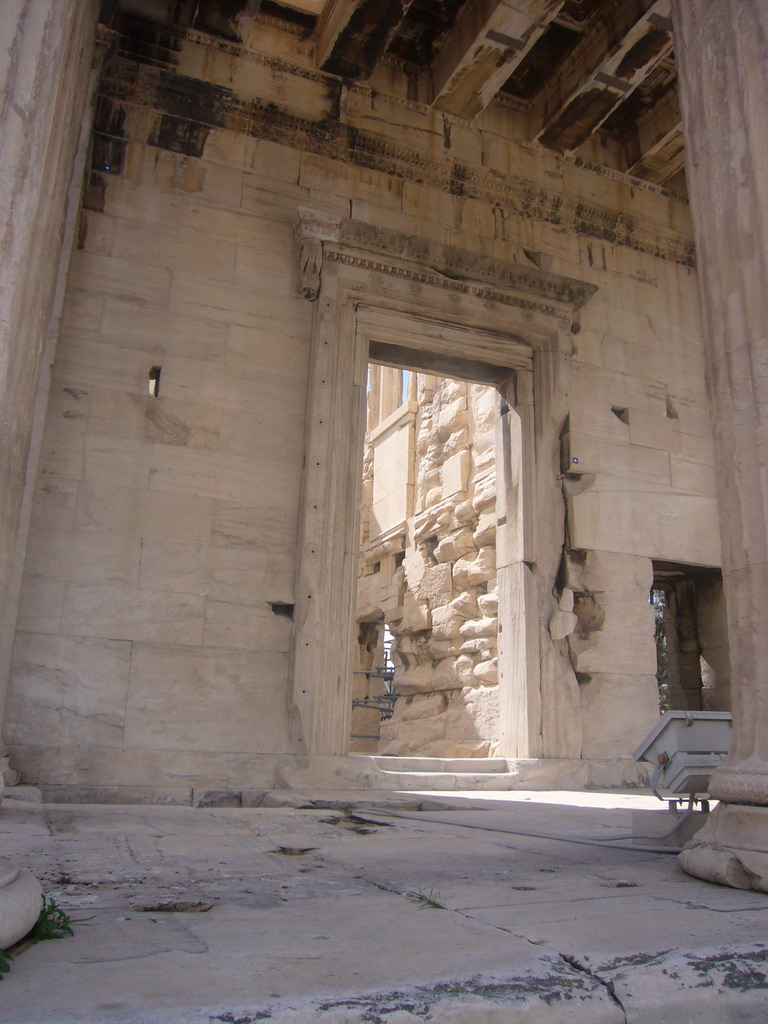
(52, 923)
(5, 965)
(429, 899)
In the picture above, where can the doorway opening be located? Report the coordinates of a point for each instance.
(427, 574)
(693, 661)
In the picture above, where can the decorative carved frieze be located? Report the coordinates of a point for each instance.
(329, 134)
(430, 263)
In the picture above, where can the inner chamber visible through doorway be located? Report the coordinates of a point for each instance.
(426, 674)
(692, 649)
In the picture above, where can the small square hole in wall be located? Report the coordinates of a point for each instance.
(620, 413)
(283, 608)
(153, 381)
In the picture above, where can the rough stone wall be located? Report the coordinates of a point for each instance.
(149, 652)
(443, 613)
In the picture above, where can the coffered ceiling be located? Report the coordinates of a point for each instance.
(576, 68)
(595, 78)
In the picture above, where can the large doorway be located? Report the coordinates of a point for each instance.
(328, 644)
(428, 567)
(404, 301)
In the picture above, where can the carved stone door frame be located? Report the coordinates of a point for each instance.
(366, 284)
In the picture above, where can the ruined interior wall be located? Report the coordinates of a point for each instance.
(147, 650)
(443, 608)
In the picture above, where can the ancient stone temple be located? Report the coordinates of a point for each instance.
(216, 216)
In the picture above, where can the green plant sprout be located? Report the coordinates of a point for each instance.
(429, 899)
(5, 965)
(52, 923)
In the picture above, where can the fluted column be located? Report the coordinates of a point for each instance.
(722, 54)
(46, 48)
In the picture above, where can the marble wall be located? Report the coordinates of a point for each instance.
(154, 630)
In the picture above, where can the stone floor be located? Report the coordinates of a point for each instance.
(310, 914)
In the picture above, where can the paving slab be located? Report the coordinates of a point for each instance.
(384, 914)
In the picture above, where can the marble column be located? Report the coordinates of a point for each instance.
(46, 50)
(722, 55)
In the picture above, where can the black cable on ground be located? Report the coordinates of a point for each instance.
(617, 843)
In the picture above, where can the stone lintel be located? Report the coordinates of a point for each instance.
(313, 228)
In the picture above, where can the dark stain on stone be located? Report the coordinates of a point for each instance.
(195, 100)
(93, 195)
(204, 105)
(169, 133)
(557, 987)
(179, 135)
(652, 44)
(635, 960)
(179, 907)
(365, 37)
(163, 425)
(740, 971)
(458, 185)
(107, 154)
(333, 90)
(618, 229)
(198, 136)
(107, 9)
(146, 40)
(325, 136)
(82, 229)
(109, 117)
(537, 204)
(579, 119)
(251, 1018)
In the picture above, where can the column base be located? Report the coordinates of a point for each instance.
(731, 849)
(8, 775)
(20, 899)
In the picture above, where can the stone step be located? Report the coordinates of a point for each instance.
(453, 765)
(444, 781)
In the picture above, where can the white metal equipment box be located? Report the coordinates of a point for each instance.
(685, 747)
